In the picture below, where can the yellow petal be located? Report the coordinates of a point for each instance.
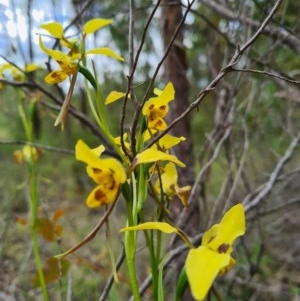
(85, 154)
(168, 179)
(95, 24)
(101, 195)
(220, 237)
(184, 194)
(108, 165)
(151, 155)
(160, 102)
(55, 54)
(113, 96)
(54, 28)
(32, 67)
(164, 227)
(202, 267)
(56, 77)
(105, 51)
(169, 141)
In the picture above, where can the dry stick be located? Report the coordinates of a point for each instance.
(138, 111)
(289, 39)
(205, 167)
(269, 74)
(90, 235)
(132, 68)
(37, 145)
(228, 68)
(77, 114)
(240, 169)
(111, 279)
(273, 177)
(130, 81)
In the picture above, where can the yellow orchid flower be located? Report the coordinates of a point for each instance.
(156, 108)
(108, 173)
(213, 258)
(69, 63)
(28, 154)
(170, 186)
(8, 70)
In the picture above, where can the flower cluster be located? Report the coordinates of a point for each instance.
(70, 62)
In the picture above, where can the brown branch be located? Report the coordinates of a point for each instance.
(287, 38)
(228, 68)
(77, 114)
(266, 189)
(138, 111)
(272, 74)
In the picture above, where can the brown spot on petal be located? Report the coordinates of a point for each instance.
(223, 248)
(96, 170)
(211, 239)
(100, 196)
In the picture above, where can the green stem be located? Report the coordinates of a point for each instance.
(130, 252)
(34, 236)
(130, 241)
(154, 262)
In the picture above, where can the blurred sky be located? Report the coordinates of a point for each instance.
(14, 30)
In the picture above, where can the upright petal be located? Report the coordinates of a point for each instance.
(85, 154)
(202, 267)
(54, 28)
(95, 24)
(160, 102)
(221, 236)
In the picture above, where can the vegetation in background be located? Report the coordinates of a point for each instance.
(213, 86)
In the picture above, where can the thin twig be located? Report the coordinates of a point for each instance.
(223, 72)
(110, 280)
(273, 177)
(150, 86)
(263, 72)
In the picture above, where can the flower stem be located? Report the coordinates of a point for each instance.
(34, 236)
(130, 241)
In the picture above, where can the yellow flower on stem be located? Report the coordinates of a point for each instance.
(28, 154)
(156, 108)
(213, 258)
(170, 187)
(108, 173)
(68, 64)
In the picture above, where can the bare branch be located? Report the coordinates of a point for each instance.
(291, 40)
(273, 177)
(234, 60)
